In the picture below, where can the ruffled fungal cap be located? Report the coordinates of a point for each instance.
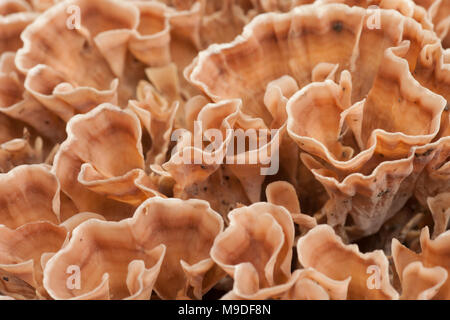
(312, 285)
(324, 251)
(201, 171)
(24, 250)
(165, 247)
(255, 250)
(360, 143)
(102, 179)
(53, 67)
(195, 165)
(421, 283)
(150, 43)
(353, 95)
(430, 267)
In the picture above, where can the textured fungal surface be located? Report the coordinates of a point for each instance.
(235, 149)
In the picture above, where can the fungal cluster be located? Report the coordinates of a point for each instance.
(224, 149)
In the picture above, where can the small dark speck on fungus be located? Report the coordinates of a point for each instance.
(426, 153)
(337, 26)
(382, 193)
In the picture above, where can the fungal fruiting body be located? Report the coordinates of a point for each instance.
(293, 150)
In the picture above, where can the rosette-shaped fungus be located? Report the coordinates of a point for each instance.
(170, 34)
(30, 229)
(355, 139)
(424, 275)
(256, 251)
(324, 251)
(26, 248)
(132, 132)
(164, 246)
(191, 166)
(101, 166)
(312, 285)
(374, 184)
(150, 43)
(75, 54)
(227, 150)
